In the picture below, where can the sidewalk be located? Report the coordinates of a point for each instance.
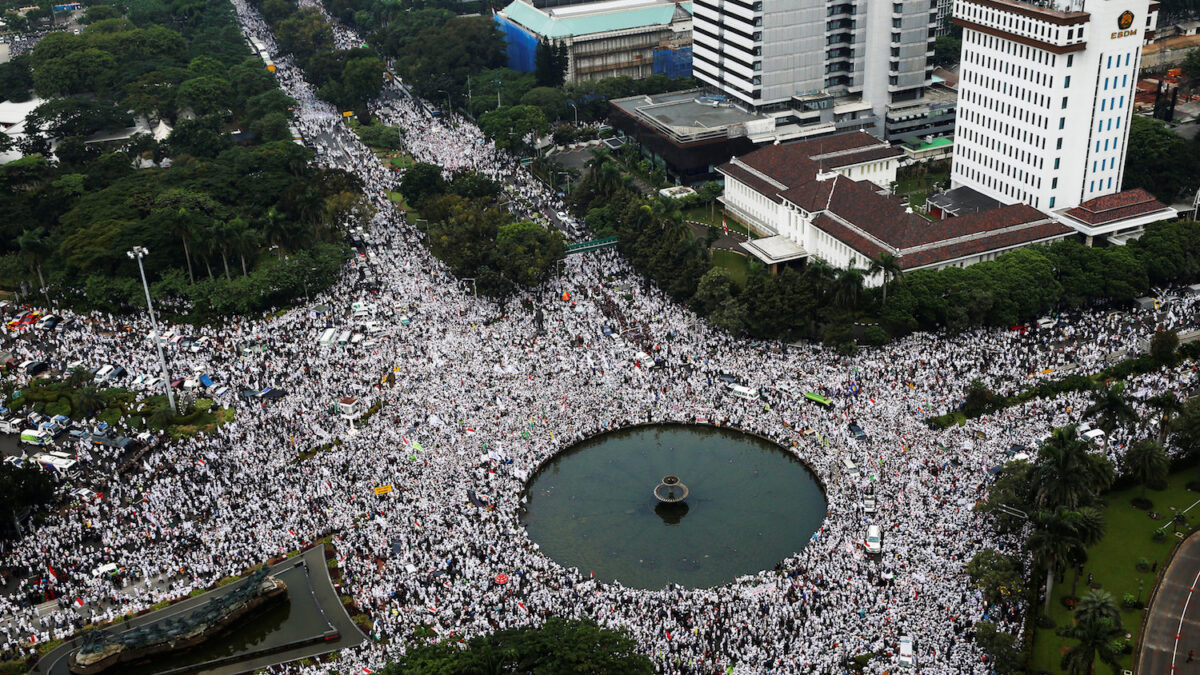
(1173, 626)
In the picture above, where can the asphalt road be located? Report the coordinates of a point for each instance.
(325, 594)
(1173, 628)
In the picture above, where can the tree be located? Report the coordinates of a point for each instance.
(304, 33)
(200, 137)
(1112, 406)
(1159, 160)
(76, 116)
(557, 646)
(1191, 64)
(1146, 462)
(1098, 631)
(362, 79)
(16, 79)
(27, 487)
(205, 95)
(1000, 577)
(88, 400)
(946, 50)
(715, 287)
(550, 100)
(847, 287)
(1066, 474)
(1007, 657)
(1163, 345)
(1053, 542)
(422, 181)
(1166, 405)
(35, 248)
(887, 265)
(510, 127)
(526, 252)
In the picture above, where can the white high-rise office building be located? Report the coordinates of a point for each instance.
(1045, 97)
(830, 64)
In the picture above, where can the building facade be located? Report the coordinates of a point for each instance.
(1045, 97)
(830, 65)
(822, 198)
(612, 38)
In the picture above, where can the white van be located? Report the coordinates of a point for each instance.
(849, 467)
(327, 337)
(344, 337)
(1094, 435)
(60, 466)
(36, 436)
(743, 392)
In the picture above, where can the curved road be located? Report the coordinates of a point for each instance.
(1173, 628)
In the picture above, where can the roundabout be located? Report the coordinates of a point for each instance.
(748, 505)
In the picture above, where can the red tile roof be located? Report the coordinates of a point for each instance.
(869, 222)
(1115, 207)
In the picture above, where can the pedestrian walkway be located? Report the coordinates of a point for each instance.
(1173, 628)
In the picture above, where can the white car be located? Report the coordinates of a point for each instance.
(868, 503)
(907, 658)
(874, 541)
(200, 343)
(104, 372)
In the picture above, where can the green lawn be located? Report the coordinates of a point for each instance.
(701, 214)
(737, 264)
(1112, 563)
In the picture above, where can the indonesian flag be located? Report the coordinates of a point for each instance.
(724, 226)
(79, 601)
(53, 576)
(367, 671)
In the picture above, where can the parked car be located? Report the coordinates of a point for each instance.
(868, 502)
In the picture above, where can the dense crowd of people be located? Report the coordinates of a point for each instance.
(480, 396)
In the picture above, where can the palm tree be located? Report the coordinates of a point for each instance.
(77, 377)
(1112, 407)
(162, 417)
(889, 266)
(276, 227)
(88, 400)
(1096, 638)
(242, 239)
(1146, 462)
(1167, 405)
(35, 248)
(1098, 605)
(847, 287)
(183, 227)
(1054, 541)
(1090, 530)
(1066, 474)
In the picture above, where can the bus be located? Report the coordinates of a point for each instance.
(818, 398)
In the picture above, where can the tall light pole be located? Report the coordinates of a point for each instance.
(136, 254)
(572, 104)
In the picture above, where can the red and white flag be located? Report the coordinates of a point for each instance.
(724, 226)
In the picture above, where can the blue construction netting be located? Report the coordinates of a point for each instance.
(673, 62)
(522, 47)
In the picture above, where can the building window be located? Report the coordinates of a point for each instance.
(1059, 146)
(1056, 160)
(1052, 202)
(1062, 123)
(1054, 183)
(1070, 59)
(1064, 103)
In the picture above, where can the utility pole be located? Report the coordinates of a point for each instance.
(136, 254)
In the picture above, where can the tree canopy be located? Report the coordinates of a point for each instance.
(557, 646)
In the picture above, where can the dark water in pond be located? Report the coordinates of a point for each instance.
(751, 504)
(298, 618)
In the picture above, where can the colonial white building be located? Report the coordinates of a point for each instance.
(825, 199)
(1045, 97)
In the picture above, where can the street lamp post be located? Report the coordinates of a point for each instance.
(572, 104)
(474, 289)
(136, 254)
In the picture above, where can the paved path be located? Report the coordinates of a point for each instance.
(726, 242)
(1175, 612)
